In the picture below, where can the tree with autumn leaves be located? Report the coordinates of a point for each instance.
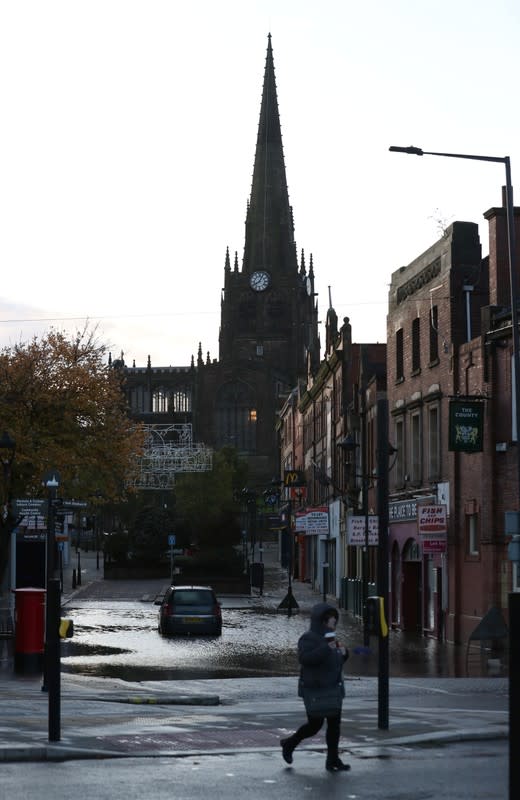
(65, 409)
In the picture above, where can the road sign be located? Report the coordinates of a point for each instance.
(171, 539)
(70, 505)
(30, 507)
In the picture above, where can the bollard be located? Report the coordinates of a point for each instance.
(514, 694)
(73, 578)
(52, 656)
(79, 569)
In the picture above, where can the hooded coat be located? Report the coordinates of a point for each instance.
(321, 665)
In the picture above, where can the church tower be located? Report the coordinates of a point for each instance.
(268, 308)
(268, 337)
(269, 323)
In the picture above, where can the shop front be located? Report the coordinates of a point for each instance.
(417, 567)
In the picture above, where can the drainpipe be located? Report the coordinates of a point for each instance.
(467, 288)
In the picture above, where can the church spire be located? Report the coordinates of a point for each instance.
(269, 243)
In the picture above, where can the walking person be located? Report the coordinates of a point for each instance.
(321, 659)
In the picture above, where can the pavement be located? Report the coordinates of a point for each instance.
(112, 718)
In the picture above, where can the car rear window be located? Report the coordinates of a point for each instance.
(192, 597)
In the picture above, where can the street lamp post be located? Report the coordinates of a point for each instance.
(7, 451)
(383, 466)
(514, 624)
(51, 676)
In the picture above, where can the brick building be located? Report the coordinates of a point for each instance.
(337, 400)
(449, 342)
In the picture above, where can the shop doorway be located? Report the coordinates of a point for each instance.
(411, 615)
(396, 587)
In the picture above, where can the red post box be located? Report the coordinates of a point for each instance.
(29, 630)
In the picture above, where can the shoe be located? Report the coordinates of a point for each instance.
(287, 750)
(336, 765)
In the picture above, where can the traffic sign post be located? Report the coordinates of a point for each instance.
(171, 542)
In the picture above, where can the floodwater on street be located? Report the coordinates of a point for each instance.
(119, 639)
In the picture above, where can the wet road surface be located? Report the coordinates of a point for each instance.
(115, 635)
(120, 639)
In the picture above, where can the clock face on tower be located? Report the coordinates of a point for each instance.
(259, 280)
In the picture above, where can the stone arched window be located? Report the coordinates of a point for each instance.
(160, 400)
(181, 400)
(139, 399)
(236, 416)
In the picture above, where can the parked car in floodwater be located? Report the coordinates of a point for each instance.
(189, 610)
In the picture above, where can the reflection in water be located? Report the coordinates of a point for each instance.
(120, 639)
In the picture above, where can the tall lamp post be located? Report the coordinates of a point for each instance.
(7, 451)
(514, 718)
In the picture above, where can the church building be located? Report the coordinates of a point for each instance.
(268, 338)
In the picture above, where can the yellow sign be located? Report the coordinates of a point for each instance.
(293, 477)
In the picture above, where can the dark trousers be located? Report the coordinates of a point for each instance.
(313, 725)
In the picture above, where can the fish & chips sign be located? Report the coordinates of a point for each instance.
(432, 525)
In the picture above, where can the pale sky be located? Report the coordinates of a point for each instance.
(127, 142)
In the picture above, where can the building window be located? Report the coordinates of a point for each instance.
(139, 398)
(160, 401)
(399, 355)
(416, 345)
(259, 349)
(415, 453)
(181, 399)
(400, 461)
(434, 335)
(472, 534)
(433, 443)
(236, 417)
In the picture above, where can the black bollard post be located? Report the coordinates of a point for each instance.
(79, 569)
(514, 694)
(53, 661)
(73, 578)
